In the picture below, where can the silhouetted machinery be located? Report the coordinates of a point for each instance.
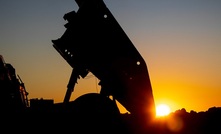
(94, 43)
(13, 93)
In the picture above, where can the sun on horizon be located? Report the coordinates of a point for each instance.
(162, 110)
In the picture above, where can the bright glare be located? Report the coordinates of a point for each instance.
(162, 110)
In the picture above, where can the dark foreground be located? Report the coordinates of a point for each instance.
(179, 122)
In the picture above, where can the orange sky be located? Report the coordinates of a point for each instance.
(180, 42)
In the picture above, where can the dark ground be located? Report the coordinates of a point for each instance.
(179, 122)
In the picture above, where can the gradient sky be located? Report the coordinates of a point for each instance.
(180, 41)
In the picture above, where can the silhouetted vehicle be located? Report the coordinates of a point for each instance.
(94, 42)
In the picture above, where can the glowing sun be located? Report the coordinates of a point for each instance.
(162, 110)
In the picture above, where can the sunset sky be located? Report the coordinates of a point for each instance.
(180, 41)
